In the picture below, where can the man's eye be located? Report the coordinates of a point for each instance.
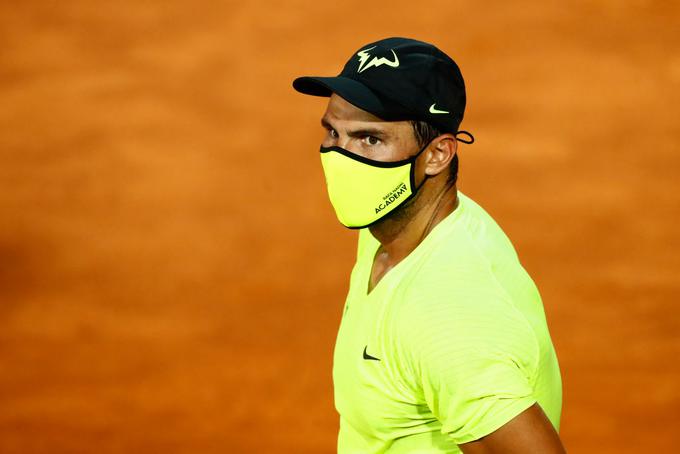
(371, 140)
(333, 133)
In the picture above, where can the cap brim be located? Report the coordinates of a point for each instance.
(352, 91)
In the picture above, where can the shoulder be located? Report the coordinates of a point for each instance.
(479, 230)
(459, 294)
(472, 253)
(467, 261)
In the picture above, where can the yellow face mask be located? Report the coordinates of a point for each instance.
(363, 191)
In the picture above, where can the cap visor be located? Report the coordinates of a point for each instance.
(349, 89)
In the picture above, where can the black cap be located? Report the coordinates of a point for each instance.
(398, 79)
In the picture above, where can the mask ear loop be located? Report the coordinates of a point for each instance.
(467, 141)
(440, 196)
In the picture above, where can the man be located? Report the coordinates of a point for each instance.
(443, 346)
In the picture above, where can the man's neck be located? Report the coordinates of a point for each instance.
(402, 233)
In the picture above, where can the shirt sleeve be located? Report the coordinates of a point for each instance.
(476, 357)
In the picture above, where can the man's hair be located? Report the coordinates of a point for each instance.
(425, 133)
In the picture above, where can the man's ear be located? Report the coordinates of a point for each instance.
(440, 153)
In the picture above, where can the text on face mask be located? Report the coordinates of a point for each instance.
(391, 196)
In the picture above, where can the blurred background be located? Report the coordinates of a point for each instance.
(172, 274)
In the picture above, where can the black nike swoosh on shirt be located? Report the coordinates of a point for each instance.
(367, 356)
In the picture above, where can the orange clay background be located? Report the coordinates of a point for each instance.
(172, 274)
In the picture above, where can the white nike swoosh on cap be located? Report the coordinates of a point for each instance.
(435, 111)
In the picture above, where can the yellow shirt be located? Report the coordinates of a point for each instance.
(450, 345)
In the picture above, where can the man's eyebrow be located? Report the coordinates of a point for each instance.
(326, 124)
(367, 132)
(377, 132)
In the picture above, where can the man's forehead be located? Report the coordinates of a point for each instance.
(338, 109)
